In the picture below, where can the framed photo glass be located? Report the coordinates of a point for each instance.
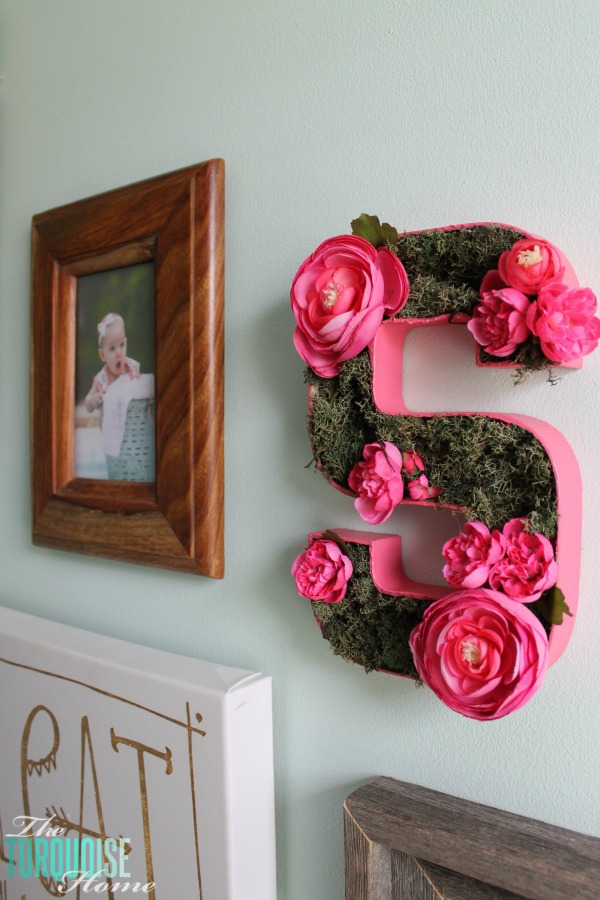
(114, 391)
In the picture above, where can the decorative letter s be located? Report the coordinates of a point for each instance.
(498, 469)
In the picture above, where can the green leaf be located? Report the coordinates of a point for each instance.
(552, 606)
(370, 228)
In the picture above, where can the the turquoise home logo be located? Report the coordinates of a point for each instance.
(40, 848)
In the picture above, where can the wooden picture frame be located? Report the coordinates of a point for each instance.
(406, 841)
(176, 220)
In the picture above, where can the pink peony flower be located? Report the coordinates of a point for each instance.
(529, 264)
(339, 296)
(499, 322)
(322, 572)
(482, 654)
(471, 555)
(528, 568)
(563, 319)
(492, 282)
(420, 489)
(378, 482)
(412, 462)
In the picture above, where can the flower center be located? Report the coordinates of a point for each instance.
(470, 653)
(528, 258)
(330, 294)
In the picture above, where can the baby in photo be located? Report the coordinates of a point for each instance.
(112, 350)
(124, 399)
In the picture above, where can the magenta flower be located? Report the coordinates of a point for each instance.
(418, 486)
(378, 482)
(412, 462)
(471, 555)
(420, 489)
(395, 281)
(499, 322)
(339, 296)
(528, 568)
(322, 572)
(564, 321)
(481, 653)
(492, 282)
(529, 264)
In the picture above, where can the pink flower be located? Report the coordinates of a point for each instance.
(564, 321)
(529, 264)
(339, 296)
(395, 281)
(420, 489)
(499, 322)
(322, 572)
(482, 654)
(492, 282)
(412, 462)
(529, 567)
(471, 555)
(378, 482)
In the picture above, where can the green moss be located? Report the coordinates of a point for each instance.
(528, 357)
(373, 629)
(367, 627)
(494, 470)
(445, 268)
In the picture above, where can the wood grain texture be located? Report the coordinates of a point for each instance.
(442, 846)
(178, 221)
(368, 863)
(412, 878)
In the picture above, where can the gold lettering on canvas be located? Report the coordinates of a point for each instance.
(63, 781)
(61, 824)
(166, 756)
(31, 765)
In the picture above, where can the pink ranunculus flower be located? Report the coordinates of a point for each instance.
(339, 296)
(322, 572)
(482, 654)
(470, 556)
(378, 482)
(499, 322)
(529, 567)
(564, 321)
(529, 264)
(395, 281)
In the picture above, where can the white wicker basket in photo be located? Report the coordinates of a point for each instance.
(137, 459)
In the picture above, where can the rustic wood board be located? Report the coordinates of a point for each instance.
(406, 841)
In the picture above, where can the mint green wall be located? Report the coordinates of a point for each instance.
(426, 113)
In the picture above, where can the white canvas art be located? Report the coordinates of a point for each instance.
(139, 772)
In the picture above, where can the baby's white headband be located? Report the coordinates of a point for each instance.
(106, 321)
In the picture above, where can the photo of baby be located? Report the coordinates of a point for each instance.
(112, 350)
(114, 406)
